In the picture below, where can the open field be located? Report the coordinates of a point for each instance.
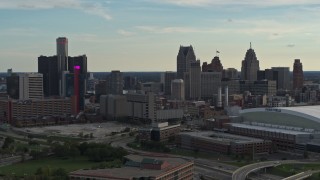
(30, 167)
(98, 130)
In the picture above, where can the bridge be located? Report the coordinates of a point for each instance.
(302, 175)
(243, 172)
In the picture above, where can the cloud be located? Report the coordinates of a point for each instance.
(89, 7)
(291, 45)
(20, 32)
(125, 33)
(176, 29)
(204, 3)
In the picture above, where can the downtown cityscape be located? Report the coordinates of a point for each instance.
(229, 117)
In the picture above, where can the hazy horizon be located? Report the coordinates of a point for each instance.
(145, 35)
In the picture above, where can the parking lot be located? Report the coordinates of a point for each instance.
(98, 130)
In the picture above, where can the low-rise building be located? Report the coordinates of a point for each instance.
(159, 132)
(142, 167)
(209, 141)
(284, 137)
(34, 112)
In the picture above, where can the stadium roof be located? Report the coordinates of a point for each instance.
(308, 112)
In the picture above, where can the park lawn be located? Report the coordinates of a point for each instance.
(31, 166)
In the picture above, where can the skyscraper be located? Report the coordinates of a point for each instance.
(62, 53)
(166, 79)
(177, 89)
(192, 81)
(48, 67)
(214, 66)
(297, 75)
(78, 61)
(114, 83)
(283, 79)
(250, 66)
(185, 57)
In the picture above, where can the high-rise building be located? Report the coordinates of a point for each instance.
(263, 87)
(25, 86)
(78, 61)
(210, 82)
(192, 81)
(250, 66)
(130, 83)
(283, 78)
(185, 57)
(166, 79)
(74, 88)
(48, 67)
(114, 83)
(230, 73)
(13, 86)
(298, 77)
(142, 106)
(177, 89)
(214, 66)
(62, 53)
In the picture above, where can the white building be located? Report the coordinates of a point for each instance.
(142, 106)
(30, 86)
(113, 106)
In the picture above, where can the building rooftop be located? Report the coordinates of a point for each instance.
(270, 129)
(222, 138)
(312, 112)
(130, 172)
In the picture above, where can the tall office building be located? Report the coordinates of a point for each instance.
(114, 83)
(62, 53)
(192, 81)
(185, 57)
(210, 82)
(283, 77)
(230, 73)
(48, 67)
(297, 75)
(166, 79)
(214, 66)
(25, 86)
(177, 89)
(78, 61)
(130, 82)
(267, 74)
(250, 66)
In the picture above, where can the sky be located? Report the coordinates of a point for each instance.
(145, 35)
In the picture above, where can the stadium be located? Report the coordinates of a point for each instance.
(306, 118)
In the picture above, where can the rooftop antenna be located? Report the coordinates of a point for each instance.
(250, 45)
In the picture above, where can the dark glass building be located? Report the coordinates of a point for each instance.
(13, 86)
(48, 66)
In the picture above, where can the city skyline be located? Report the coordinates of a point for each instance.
(145, 35)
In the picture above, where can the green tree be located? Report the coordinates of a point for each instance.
(60, 173)
(7, 142)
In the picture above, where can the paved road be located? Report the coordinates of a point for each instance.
(242, 173)
(302, 175)
(206, 167)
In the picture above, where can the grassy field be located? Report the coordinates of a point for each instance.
(30, 167)
(290, 169)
